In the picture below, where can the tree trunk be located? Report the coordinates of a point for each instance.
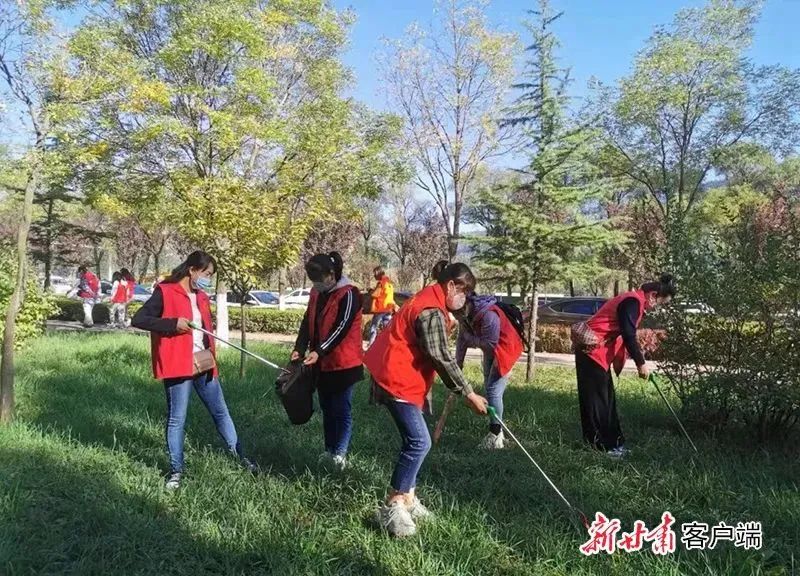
(18, 295)
(616, 287)
(572, 288)
(532, 323)
(144, 268)
(244, 334)
(157, 263)
(48, 243)
(222, 312)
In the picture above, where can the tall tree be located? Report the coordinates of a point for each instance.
(545, 233)
(449, 85)
(29, 78)
(693, 94)
(235, 111)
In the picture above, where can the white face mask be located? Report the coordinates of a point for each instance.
(456, 301)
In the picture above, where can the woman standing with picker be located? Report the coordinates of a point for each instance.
(330, 338)
(184, 358)
(403, 362)
(601, 344)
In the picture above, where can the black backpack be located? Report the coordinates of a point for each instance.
(514, 315)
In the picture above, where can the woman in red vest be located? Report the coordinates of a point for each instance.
(330, 338)
(403, 362)
(600, 344)
(485, 326)
(177, 351)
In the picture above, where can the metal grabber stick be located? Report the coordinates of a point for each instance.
(239, 348)
(493, 414)
(652, 379)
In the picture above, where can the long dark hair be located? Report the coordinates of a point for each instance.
(116, 276)
(320, 265)
(198, 260)
(664, 286)
(460, 274)
(126, 274)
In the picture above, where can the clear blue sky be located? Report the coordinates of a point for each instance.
(599, 37)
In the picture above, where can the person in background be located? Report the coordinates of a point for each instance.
(601, 344)
(131, 286)
(330, 339)
(403, 362)
(177, 354)
(382, 302)
(88, 290)
(119, 300)
(484, 325)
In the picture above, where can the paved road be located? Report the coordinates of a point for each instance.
(542, 358)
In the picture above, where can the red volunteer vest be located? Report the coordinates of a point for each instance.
(173, 354)
(120, 295)
(509, 347)
(395, 360)
(94, 286)
(605, 324)
(349, 352)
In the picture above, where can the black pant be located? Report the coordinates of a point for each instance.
(598, 405)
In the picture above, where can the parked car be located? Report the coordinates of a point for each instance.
(254, 298)
(60, 285)
(569, 310)
(297, 298)
(141, 293)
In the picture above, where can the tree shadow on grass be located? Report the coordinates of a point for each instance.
(83, 516)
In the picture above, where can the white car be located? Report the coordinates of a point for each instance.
(254, 299)
(61, 286)
(297, 298)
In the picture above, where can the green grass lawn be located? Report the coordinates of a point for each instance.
(81, 476)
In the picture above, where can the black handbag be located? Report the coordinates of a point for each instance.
(295, 387)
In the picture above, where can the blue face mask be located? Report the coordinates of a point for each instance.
(201, 283)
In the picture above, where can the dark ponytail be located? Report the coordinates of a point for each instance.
(198, 260)
(320, 265)
(460, 274)
(663, 287)
(437, 269)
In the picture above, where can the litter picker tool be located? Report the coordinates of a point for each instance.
(448, 407)
(239, 348)
(584, 520)
(652, 379)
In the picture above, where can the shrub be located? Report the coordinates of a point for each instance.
(71, 310)
(741, 364)
(36, 307)
(555, 339)
(266, 320)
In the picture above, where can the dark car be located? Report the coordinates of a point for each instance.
(569, 310)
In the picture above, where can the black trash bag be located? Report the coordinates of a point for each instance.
(295, 388)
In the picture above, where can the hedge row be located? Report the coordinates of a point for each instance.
(553, 338)
(72, 310)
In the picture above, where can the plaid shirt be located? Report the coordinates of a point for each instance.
(431, 331)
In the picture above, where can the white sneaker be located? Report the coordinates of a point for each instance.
(339, 463)
(418, 511)
(493, 442)
(173, 481)
(618, 453)
(396, 520)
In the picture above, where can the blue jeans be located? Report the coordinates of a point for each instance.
(178, 391)
(337, 419)
(495, 387)
(416, 444)
(373, 327)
